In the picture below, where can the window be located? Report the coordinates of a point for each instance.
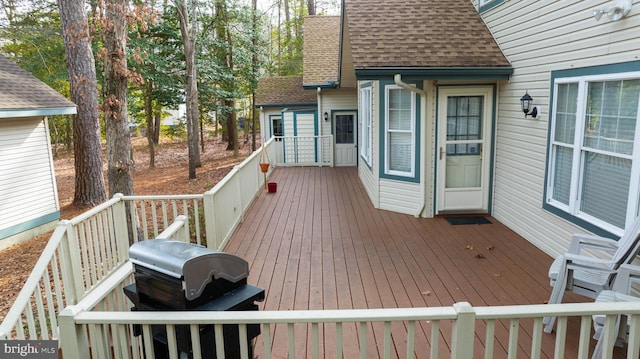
(399, 131)
(276, 127)
(594, 159)
(365, 123)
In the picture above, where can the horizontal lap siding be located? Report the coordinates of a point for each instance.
(401, 197)
(538, 37)
(337, 100)
(368, 174)
(27, 189)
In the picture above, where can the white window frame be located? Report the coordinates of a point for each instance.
(573, 208)
(387, 132)
(365, 112)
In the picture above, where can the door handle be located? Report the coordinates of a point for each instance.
(441, 151)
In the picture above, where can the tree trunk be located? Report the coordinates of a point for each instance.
(188, 32)
(119, 160)
(229, 103)
(157, 114)
(148, 109)
(254, 72)
(311, 7)
(87, 149)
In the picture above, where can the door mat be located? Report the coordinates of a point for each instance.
(467, 220)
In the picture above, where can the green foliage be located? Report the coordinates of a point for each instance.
(174, 132)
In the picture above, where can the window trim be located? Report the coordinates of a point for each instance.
(486, 5)
(412, 131)
(571, 212)
(366, 148)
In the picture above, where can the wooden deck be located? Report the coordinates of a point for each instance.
(318, 243)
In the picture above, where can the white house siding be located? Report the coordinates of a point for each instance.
(336, 100)
(27, 181)
(265, 122)
(398, 196)
(538, 37)
(369, 175)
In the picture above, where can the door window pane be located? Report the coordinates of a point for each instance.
(344, 129)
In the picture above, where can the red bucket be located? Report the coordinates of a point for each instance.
(272, 187)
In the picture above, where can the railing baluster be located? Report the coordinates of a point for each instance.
(489, 338)
(585, 336)
(339, 340)
(219, 337)
(147, 336)
(165, 218)
(514, 328)
(266, 340)
(435, 338)
(291, 341)
(411, 338)
(42, 317)
(363, 340)
(315, 341)
(172, 342)
(196, 349)
(561, 337)
(536, 338)
(387, 340)
(633, 346)
(242, 336)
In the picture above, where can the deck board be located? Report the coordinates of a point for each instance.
(318, 243)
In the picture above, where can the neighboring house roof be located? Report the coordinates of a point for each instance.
(404, 34)
(23, 95)
(321, 51)
(283, 91)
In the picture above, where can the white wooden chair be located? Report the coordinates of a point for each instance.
(585, 271)
(627, 281)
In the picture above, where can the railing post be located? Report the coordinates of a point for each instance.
(184, 232)
(463, 331)
(210, 220)
(121, 229)
(73, 338)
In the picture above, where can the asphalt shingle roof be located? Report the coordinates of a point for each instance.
(19, 90)
(420, 34)
(321, 49)
(283, 90)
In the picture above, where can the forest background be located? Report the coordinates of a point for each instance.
(126, 63)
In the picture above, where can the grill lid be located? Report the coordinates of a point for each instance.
(195, 265)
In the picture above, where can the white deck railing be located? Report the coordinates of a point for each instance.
(304, 150)
(88, 248)
(85, 267)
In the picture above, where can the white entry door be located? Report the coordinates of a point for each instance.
(464, 148)
(344, 135)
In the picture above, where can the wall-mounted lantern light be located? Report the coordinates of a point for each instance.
(615, 11)
(527, 101)
(326, 116)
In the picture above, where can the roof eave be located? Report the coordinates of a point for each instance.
(287, 105)
(36, 112)
(326, 85)
(439, 73)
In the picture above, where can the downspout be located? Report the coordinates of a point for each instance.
(319, 122)
(263, 126)
(423, 100)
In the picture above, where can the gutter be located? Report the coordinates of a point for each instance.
(397, 78)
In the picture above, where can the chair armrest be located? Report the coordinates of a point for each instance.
(588, 262)
(587, 241)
